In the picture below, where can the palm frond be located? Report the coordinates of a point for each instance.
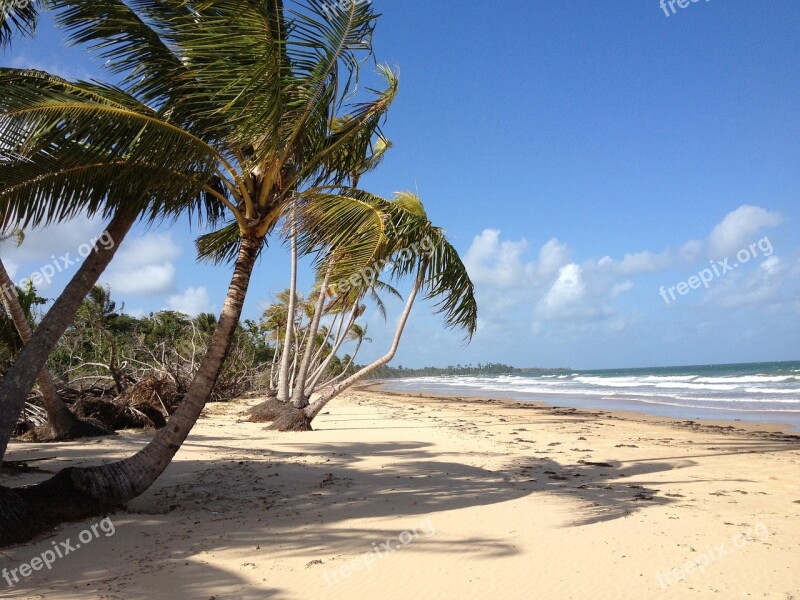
(16, 17)
(70, 148)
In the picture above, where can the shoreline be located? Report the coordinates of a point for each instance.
(480, 499)
(551, 402)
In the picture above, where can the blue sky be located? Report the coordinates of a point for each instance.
(581, 156)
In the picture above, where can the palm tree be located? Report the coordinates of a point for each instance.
(63, 424)
(359, 335)
(257, 108)
(416, 248)
(99, 311)
(80, 149)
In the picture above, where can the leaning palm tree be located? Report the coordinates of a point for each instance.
(62, 423)
(77, 149)
(259, 107)
(412, 246)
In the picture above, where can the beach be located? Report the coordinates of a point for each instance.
(410, 496)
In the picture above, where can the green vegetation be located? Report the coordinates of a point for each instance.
(388, 372)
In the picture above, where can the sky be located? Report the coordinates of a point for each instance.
(600, 167)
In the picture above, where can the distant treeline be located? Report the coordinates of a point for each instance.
(387, 372)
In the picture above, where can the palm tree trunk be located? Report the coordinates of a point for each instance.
(283, 375)
(347, 366)
(84, 492)
(334, 390)
(272, 367)
(317, 360)
(20, 378)
(340, 337)
(300, 420)
(299, 399)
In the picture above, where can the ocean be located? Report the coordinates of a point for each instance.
(759, 392)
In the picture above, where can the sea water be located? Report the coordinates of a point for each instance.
(760, 392)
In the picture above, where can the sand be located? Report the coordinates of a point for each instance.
(437, 498)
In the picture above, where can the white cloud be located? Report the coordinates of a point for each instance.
(43, 243)
(616, 325)
(567, 292)
(42, 248)
(738, 228)
(11, 268)
(555, 288)
(761, 286)
(493, 262)
(692, 251)
(552, 256)
(192, 301)
(622, 287)
(147, 280)
(143, 266)
(148, 249)
(562, 297)
(639, 262)
(574, 296)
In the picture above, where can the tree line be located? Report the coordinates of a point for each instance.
(388, 372)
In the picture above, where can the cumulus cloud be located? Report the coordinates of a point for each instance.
(761, 286)
(560, 294)
(738, 228)
(144, 267)
(556, 289)
(42, 247)
(576, 294)
(499, 263)
(42, 243)
(192, 301)
(639, 262)
(552, 256)
(493, 262)
(622, 287)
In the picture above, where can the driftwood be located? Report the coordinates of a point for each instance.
(144, 405)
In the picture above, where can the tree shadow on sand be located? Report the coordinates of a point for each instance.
(296, 499)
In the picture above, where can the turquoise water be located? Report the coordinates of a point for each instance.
(760, 392)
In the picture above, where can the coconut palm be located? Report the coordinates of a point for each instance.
(415, 248)
(76, 149)
(258, 107)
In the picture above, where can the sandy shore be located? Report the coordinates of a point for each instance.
(438, 498)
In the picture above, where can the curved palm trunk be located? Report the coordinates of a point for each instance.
(340, 337)
(299, 399)
(272, 369)
(84, 492)
(347, 366)
(283, 375)
(20, 378)
(300, 420)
